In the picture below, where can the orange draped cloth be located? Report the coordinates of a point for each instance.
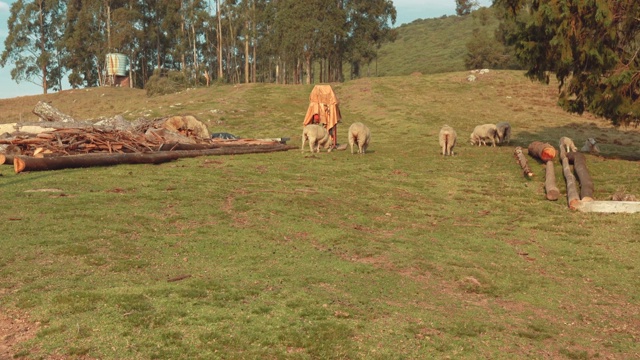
(324, 102)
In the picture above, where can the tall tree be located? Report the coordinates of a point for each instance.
(32, 44)
(590, 46)
(369, 24)
(464, 7)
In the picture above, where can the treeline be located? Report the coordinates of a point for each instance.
(230, 41)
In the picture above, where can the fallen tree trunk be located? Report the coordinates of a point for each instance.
(542, 151)
(24, 163)
(572, 192)
(550, 182)
(216, 144)
(49, 113)
(610, 206)
(580, 167)
(522, 161)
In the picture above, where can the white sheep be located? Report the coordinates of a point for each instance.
(504, 132)
(482, 133)
(591, 146)
(360, 135)
(316, 135)
(447, 138)
(567, 144)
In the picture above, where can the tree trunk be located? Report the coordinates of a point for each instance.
(522, 161)
(542, 151)
(550, 182)
(580, 167)
(572, 192)
(24, 163)
(49, 113)
(610, 206)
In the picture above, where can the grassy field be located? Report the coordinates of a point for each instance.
(397, 254)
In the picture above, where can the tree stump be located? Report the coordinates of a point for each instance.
(542, 151)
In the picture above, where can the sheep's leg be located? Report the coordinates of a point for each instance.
(303, 140)
(311, 144)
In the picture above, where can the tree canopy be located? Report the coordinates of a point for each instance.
(591, 46)
(225, 41)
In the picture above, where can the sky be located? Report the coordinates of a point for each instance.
(408, 11)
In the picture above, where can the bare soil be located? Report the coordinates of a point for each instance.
(14, 329)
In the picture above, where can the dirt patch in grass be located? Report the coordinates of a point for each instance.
(14, 329)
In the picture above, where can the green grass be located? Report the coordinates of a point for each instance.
(397, 254)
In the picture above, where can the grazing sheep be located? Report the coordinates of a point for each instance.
(567, 144)
(360, 135)
(482, 133)
(591, 146)
(316, 135)
(447, 139)
(504, 132)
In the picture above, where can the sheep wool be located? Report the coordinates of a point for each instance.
(504, 132)
(360, 135)
(483, 133)
(567, 144)
(447, 138)
(316, 135)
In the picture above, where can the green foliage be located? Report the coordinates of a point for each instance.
(166, 82)
(591, 47)
(465, 7)
(32, 45)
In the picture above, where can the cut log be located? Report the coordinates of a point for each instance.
(550, 182)
(542, 151)
(49, 113)
(522, 161)
(610, 206)
(572, 192)
(24, 163)
(580, 167)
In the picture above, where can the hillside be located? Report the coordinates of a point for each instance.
(429, 46)
(399, 253)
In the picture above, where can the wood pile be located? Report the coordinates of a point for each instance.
(63, 143)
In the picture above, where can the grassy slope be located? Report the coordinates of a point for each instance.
(400, 253)
(428, 46)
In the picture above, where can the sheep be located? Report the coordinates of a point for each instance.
(591, 146)
(504, 132)
(316, 135)
(567, 144)
(447, 139)
(360, 135)
(482, 133)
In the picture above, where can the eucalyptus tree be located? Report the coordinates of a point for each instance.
(32, 45)
(591, 47)
(369, 24)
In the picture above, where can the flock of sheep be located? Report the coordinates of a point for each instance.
(317, 135)
(500, 133)
(360, 135)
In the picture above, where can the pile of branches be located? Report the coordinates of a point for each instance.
(61, 142)
(74, 141)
